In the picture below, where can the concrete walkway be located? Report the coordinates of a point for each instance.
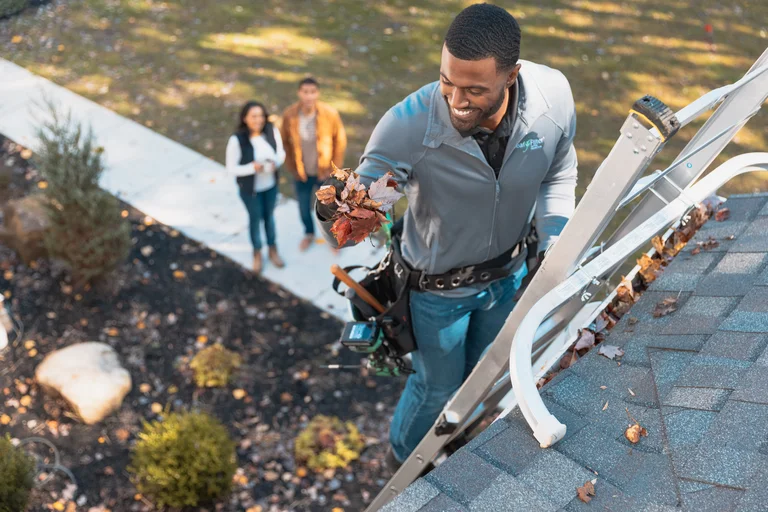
(179, 187)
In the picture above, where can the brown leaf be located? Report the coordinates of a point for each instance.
(363, 228)
(122, 435)
(585, 492)
(342, 229)
(648, 268)
(658, 244)
(362, 213)
(625, 291)
(711, 243)
(326, 194)
(696, 251)
(665, 307)
(340, 174)
(271, 476)
(371, 204)
(722, 214)
(634, 433)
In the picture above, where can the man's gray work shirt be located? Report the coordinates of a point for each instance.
(459, 213)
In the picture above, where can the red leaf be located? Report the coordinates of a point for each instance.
(342, 229)
(722, 214)
(585, 492)
(362, 213)
(363, 228)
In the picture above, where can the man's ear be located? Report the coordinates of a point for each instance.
(512, 76)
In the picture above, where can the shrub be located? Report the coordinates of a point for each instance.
(214, 366)
(328, 443)
(10, 7)
(87, 231)
(16, 477)
(184, 461)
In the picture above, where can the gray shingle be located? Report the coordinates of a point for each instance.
(512, 450)
(756, 300)
(754, 386)
(754, 238)
(725, 285)
(601, 371)
(686, 427)
(714, 499)
(677, 281)
(667, 367)
(744, 207)
(595, 449)
(756, 496)
(636, 353)
(713, 372)
(490, 432)
(692, 485)
(719, 465)
(762, 279)
(735, 345)
(572, 421)
(741, 263)
(507, 494)
(720, 231)
(463, 476)
(693, 324)
(707, 306)
(647, 477)
(705, 399)
(554, 476)
(740, 425)
(442, 503)
(746, 321)
(412, 498)
(643, 312)
(687, 263)
(643, 393)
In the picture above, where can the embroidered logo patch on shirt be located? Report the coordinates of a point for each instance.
(531, 144)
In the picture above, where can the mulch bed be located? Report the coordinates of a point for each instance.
(157, 319)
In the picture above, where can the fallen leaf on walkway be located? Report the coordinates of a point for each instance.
(610, 351)
(665, 307)
(722, 214)
(586, 339)
(586, 491)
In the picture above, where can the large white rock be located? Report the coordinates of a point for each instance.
(89, 376)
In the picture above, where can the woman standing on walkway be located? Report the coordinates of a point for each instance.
(254, 153)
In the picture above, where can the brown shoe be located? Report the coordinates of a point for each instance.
(306, 243)
(257, 262)
(275, 258)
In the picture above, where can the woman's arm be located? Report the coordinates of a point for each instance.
(280, 149)
(233, 156)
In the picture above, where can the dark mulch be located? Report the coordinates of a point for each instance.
(156, 321)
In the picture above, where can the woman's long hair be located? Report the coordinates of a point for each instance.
(268, 130)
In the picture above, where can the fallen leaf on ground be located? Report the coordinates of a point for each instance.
(695, 251)
(610, 351)
(634, 433)
(585, 492)
(586, 339)
(16, 39)
(606, 405)
(722, 214)
(26, 401)
(665, 307)
(239, 394)
(271, 476)
(710, 244)
(5, 419)
(157, 408)
(179, 274)
(122, 435)
(631, 392)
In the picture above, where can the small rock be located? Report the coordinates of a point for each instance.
(89, 376)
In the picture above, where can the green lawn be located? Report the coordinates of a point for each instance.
(183, 67)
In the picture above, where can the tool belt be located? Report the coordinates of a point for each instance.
(393, 280)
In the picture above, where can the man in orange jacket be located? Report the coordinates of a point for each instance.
(313, 136)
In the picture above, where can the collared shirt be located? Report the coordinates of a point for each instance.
(493, 144)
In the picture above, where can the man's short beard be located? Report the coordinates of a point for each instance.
(467, 125)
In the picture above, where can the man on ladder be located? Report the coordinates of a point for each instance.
(476, 153)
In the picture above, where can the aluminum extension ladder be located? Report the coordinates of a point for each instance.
(617, 182)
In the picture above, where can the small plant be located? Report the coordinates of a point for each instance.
(10, 7)
(16, 477)
(87, 231)
(184, 461)
(327, 443)
(214, 366)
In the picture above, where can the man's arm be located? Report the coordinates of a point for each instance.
(339, 142)
(557, 194)
(285, 135)
(388, 150)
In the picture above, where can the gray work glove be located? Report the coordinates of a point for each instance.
(326, 211)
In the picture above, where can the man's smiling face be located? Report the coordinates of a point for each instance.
(474, 90)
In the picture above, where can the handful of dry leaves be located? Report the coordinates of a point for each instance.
(360, 212)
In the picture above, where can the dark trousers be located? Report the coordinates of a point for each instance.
(261, 208)
(305, 195)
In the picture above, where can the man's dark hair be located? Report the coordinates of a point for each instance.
(309, 81)
(484, 30)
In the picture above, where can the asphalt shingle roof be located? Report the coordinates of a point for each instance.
(699, 385)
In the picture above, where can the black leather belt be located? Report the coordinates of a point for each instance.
(491, 270)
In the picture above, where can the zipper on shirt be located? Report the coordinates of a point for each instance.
(496, 194)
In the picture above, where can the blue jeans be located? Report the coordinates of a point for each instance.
(305, 196)
(261, 208)
(452, 334)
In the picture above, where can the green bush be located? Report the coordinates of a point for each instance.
(184, 461)
(16, 477)
(9, 7)
(87, 231)
(327, 443)
(214, 366)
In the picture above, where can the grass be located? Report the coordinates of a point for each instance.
(183, 67)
